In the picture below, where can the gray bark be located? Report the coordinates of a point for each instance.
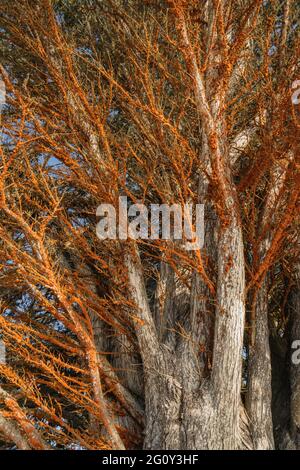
(183, 410)
(259, 394)
(12, 434)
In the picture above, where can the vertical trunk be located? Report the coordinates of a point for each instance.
(163, 397)
(286, 378)
(259, 394)
(201, 298)
(162, 388)
(229, 331)
(280, 392)
(294, 364)
(211, 413)
(182, 415)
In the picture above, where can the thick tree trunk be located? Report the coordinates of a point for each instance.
(229, 331)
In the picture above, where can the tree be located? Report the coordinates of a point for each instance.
(166, 103)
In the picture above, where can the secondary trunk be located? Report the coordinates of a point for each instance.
(259, 394)
(294, 364)
(286, 378)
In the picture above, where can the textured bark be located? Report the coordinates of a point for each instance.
(183, 410)
(229, 330)
(177, 372)
(259, 394)
(12, 434)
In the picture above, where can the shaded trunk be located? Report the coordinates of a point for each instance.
(295, 365)
(286, 378)
(259, 394)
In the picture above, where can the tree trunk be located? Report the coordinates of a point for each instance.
(286, 378)
(198, 413)
(259, 394)
(294, 364)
